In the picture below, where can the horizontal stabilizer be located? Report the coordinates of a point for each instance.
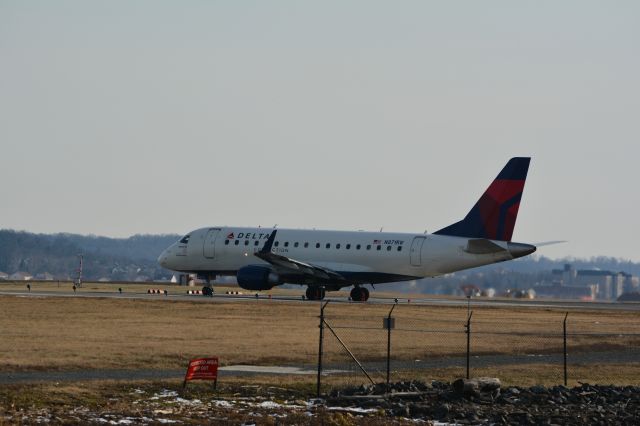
(549, 243)
(483, 246)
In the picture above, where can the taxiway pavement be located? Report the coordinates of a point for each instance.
(221, 298)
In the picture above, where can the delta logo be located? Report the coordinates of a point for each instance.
(230, 236)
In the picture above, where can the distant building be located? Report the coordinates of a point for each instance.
(595, 284)
(4, 276)
(520, 294)
(559, 291)
(489, 292)
(630, 297)
(186, 279)
(20, 276)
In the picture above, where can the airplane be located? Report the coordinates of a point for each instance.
(323, 260)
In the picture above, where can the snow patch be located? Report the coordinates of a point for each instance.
(166, 393)
(354, 410)
(187, 401)
(269, 404)
(223, 404)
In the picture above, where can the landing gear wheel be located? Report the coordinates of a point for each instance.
(356, 294)
(315, 293)
(207, 291)
(359, 294)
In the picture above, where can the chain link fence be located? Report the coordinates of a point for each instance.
(425, 342)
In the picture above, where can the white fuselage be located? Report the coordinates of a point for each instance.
(362, 257)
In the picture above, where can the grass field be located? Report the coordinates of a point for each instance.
(79, 333)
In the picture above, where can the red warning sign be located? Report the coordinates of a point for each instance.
(202, 369)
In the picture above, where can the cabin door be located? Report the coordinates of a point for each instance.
(416, 251)
(209, 247)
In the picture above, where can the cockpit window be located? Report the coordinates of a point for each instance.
(185, 239)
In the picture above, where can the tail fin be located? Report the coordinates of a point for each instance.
(494, 215)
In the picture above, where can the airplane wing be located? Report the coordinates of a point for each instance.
(295, 266)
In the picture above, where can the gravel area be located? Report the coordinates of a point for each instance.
(464, 402)
(537, 405)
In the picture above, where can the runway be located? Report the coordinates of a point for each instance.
(427, 301)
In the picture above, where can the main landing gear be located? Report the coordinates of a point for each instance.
(359, 294)
(315, 293)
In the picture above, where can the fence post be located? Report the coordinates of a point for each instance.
(320, 346)
(389, 345)
(468, 331)
(564, 333)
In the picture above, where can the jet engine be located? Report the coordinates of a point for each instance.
(255, 277)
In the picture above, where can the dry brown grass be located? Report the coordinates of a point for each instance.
(78, 333)
(424, 332)
(68, 333)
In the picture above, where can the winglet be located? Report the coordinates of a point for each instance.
(267, 246)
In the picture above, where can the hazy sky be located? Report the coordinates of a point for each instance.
(119, 118)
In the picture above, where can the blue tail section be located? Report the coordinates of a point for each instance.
(494, 215)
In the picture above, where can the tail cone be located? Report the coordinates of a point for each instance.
(519, 249)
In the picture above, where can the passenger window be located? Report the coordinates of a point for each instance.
(256, 243)
(295, 244)
(358, 247)
(337, 246)
(399, 248)
(348, 246)
(246, 242)
(388, 248)
(317, 245)
(328, 245)
(226, 242)
(368, 246)
(286, 243)
(306, 245)
(379, 247)
(237, 242)
(277, 243)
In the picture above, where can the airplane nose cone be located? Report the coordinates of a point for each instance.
(163, 259)
(519, 250)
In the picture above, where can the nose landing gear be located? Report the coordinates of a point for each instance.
(207, 290)
(359, 294)
(315, 293)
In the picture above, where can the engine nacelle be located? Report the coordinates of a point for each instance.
(255, 277)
